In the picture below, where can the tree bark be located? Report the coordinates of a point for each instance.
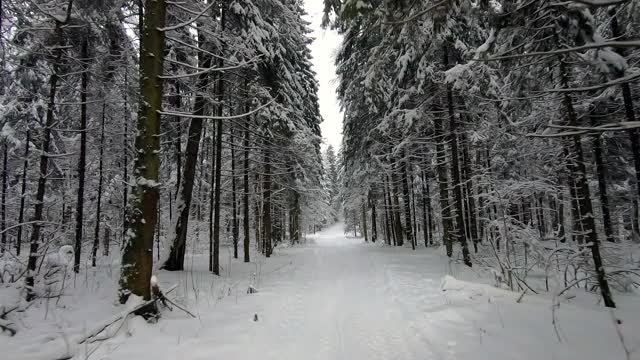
(220, 90)
(96, 234)
(44, 158)
(406, 199)
(374, 227)
(396, 207)
(23, 192)
(602, 183)
(137, 257)
(234, 200)
(471, 205)
(266, 203)
(212, 188)
(455, 172)
(245, 195)
(178, 235)
(387, 220)
(364, 222)
(443, 181)
(634, 134)
(583, 195)
(83, 157)
(426, 211)
(3, 207)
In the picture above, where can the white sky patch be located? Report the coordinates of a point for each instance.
(323, 52)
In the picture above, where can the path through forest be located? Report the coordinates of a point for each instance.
(339, 298)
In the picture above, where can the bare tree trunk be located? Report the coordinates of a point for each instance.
(364, 222)
(406, 199)
(3, 207)
(96, 234)
(217, 195)
(245, 175)
(387, 221)
(374, 227)
(106, 241)
(266, 204)
(234, 200)
(44, 157)
(396, 206)
(443, 181)
(583, 195)
(125, 145)
(295, 218)
(137, 259)
(455, 174)
(83, 158)
(602, 183)
(23, 192)
(471, 206)
(220, 90)
(426, 211)
(634, 134)
(178, 236)
(212, 182)
(392, 214)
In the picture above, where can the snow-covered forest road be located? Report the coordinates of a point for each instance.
(339, 298)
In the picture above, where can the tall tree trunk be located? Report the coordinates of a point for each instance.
(220, 90)
(396, 207)
(23, 192)
(426, 211)
(584, 197)
(82, 163)
(266, 204)
(245, 195)
(295, 218)
(471, 205)
(602, 183)
(234, 199)
(455, 175)
(364, 222)
(137, 259)
(217, 195)
(44, 157)
(3, 206)
(392, 214)
(634, 134)
(387, 220)
(443, 180)
(96, 234)
(178, 232)
(125, 146)
(455, 172)
(212, 188)
(406, 200)
(374, 227)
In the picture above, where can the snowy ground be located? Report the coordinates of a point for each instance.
(339, 298)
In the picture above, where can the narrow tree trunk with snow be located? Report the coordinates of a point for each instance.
(374, 226)
(455, 175)
(44, 157)
(83, 157)
(245, 195)
(234, 200)
(96, 233)
(443, 181)
(587, 219)
(23, 192)
(266, 204)
(178, 232)
(3, 206)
